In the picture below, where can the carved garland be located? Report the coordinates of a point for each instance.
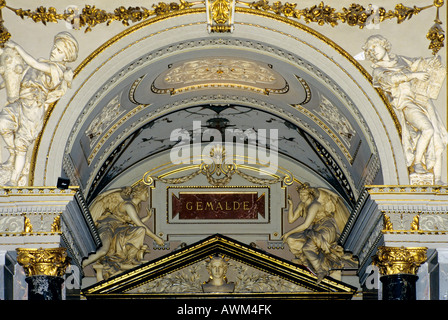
(215, 169)
(355, 15)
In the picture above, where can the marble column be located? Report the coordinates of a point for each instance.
(45, 269)
(423, 283)
(2, 273)
(398, 267)
(442, 259)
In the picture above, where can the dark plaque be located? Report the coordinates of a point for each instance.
(220, 205)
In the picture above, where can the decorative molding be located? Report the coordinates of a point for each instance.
(412, 209)
(220, 166)
(168, 108)
(407, 190)
(43, 216)
(327, 129)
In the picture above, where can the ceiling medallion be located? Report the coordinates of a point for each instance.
(220, 72)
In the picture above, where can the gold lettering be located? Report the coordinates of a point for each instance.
(246, 208)
(209, 205)
(227, 206)
(199, 206)
(219, 206)
(189, 205)
(236, 205)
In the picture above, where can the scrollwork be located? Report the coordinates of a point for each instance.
(431, 222)
(218, 172)
(11, 224)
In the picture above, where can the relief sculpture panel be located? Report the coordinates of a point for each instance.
(219, 274)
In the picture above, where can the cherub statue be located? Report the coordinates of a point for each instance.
(217, 268)
(121, 230)
(43, 82)
(411, 84)
(314, 242)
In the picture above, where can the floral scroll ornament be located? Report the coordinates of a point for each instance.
(322, 14)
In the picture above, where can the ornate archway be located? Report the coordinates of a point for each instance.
(181, 72)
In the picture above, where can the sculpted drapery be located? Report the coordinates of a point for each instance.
(32, 85)
(411, 84)
(314, 242)
(122, 231)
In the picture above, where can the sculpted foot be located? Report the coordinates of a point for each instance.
(418, 168)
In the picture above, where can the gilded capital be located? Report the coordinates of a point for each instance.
(399, 260)
(48, 262)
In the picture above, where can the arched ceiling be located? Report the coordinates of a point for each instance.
(241, 80)
(225, 89)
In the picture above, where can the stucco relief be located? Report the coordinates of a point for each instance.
(107, 115)
(218, 72)
(96, 159)
(211, 69)
(338, 121)
(239, 278)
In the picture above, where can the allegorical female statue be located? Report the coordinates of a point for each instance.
(314, 242)
(122, 232)
(411, 84)
(42, 82)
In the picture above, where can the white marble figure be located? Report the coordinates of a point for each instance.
(43, 82)
(411, 84)
(12, 68)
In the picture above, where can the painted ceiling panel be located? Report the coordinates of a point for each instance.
(154, 138)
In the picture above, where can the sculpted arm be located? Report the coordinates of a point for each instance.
(312, 211)
(294, 215)
(33, 63)
(133, 214)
